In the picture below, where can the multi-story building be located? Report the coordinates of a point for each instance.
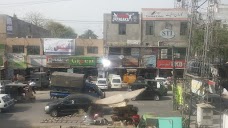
(12, 27)
(146, 41)
(26, 55)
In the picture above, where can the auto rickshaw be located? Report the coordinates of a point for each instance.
(20, 92)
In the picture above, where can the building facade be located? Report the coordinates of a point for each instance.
(148, 41)
(27, 55)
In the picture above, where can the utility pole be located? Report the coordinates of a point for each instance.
(174, 81)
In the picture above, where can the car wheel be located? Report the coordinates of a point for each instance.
(54, 113)
(156, 97)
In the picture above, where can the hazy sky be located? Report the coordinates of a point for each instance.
(79, 14)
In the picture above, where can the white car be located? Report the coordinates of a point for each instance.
(102, 83)
(6, 102)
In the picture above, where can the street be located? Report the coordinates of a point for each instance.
(27, 115)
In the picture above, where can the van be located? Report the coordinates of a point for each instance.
(6, 102)
(115, 81)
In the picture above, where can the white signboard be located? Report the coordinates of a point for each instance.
(167, 33)
(56, 46)
(164, 14)
(37, 61)
(133, 42)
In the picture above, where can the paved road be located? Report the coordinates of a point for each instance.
(32, 114)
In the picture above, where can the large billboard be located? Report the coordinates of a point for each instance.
(125, 17)
(16, 60)
(164, 14)
(57, 46)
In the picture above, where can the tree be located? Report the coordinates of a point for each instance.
(35, 18)
(88, 34)
(59, 30)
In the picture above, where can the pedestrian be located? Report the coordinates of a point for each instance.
(32, 85)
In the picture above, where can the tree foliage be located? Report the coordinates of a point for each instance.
(59, 30)
(88, 34)
(35, 18)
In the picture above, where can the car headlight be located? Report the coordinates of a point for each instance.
(46, 108)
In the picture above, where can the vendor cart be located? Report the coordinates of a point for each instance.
(20, 92)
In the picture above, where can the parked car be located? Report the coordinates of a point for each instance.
(102, 83)
(69, 104)
(154, 89)
(6, 102)
(2, 85)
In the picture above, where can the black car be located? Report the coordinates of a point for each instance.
(69, 104)
(151, 91)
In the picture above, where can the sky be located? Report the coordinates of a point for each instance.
(81, 15)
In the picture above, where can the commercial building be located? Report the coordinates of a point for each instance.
(147, 41)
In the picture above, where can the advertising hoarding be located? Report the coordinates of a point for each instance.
(57, 61)
(16, 60)
(125, 17)
(149, 61)
(164, 14)
(130, 61)
(36, 61)
(82, 61)
(57, 46)
(168, 64)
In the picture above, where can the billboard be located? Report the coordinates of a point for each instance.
(57, 46)
(130, 61)
(125, 17)
(164, 14)
(82, 61)
(16, 60)
(36, 61)
(149, 61)
(168, 64)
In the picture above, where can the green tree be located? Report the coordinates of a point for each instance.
(88, 34)
(59, 30)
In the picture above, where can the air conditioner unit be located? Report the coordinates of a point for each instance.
(164, 51)
(164, 56)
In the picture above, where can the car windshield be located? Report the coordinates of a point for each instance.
(6, 98)
(101, 82)
(116, 81)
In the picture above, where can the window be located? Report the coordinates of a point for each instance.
(183, 28)
(79, 50)
(33, 50)
(92, 49)
(149, 27)
(18, 48)
(114, 51)
(122, 29)
(127, 51)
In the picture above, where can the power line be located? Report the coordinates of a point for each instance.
(31, 3)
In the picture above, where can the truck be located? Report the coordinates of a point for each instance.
(63, 84)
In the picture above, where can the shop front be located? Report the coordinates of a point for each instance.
(165, 68)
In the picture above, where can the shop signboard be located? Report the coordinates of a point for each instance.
(149, 61)
(168, 64)
(125, 17)
(57, 61)
(164, 14)
(16, 60)
(196, 87)
(167, 34)
(57, 46)
(116, 60)
(9, 25)
(36, 61)
(130, 61)
(82, 61)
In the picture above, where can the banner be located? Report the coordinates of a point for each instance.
(164, 14)
(56, 46)
(82, 61)
(16, 60)
(36, 61)
(9, 25)
(125, 17)
(168, 64)
(149, 61)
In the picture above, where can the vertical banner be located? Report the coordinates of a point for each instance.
(9, 25)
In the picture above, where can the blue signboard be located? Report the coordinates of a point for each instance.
(149, 61)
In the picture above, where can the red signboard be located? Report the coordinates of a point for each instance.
(168, 64)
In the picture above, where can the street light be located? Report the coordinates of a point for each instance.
(105, 62)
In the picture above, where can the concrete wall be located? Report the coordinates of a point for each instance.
(111, 32)
(91, 42)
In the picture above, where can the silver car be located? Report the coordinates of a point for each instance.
(102, 83)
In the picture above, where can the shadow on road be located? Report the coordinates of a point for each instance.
(165, 98)
(19, 109)
(44, 100)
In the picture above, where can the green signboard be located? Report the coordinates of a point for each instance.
(16, 60)
(82, 61)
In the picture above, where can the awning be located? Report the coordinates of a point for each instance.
(119, 100)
